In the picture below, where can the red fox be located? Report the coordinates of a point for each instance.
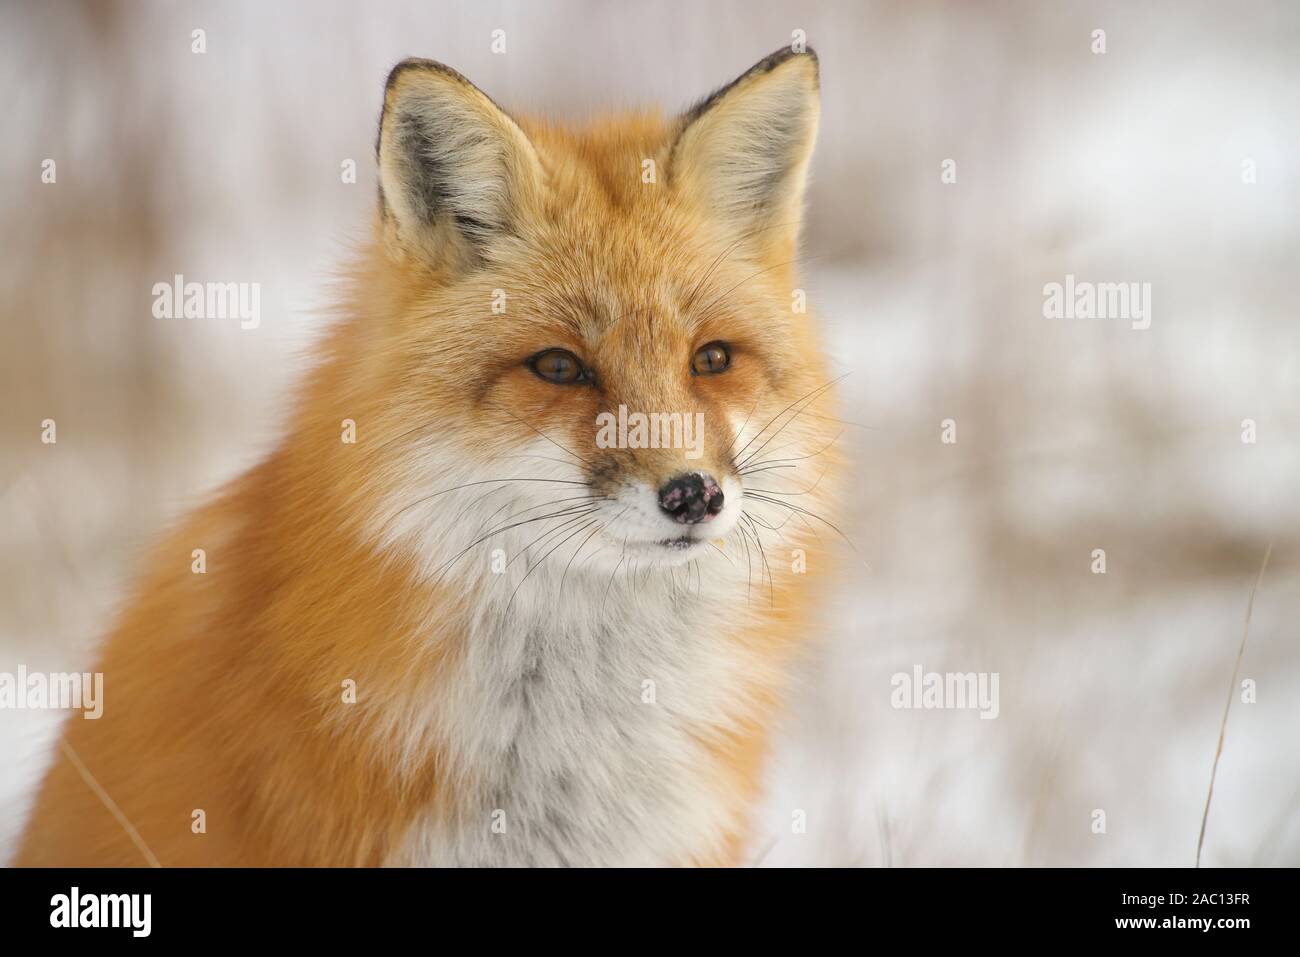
(524, 582)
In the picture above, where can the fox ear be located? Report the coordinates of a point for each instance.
(743, 151)
(456, 174)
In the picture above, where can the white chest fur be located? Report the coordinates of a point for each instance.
(581, 726)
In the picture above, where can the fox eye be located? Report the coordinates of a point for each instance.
(558, 365)
(711, 359)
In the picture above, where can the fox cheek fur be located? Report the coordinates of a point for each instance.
(563, 649)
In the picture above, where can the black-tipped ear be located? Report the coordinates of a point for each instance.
(455, 172)
(743, 152)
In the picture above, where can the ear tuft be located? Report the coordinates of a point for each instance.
(743, 151)
(455, 172)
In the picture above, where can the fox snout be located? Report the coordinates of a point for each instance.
(691, 499)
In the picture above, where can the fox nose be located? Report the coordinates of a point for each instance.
(691, 499)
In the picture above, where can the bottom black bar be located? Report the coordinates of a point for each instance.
(212, 906)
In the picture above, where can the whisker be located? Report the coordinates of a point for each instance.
(749, 565)
(611, 579)
(534, 455)
(755, 470)
(546, 437)
(773, 420)
(559, 593)
(744, 238)
(715, 547)
(758, 521)
(572, 510)
(741, 430)
(808, 490)
(580, 529)
(495, 512)
(568, 523)
(771, 528)
(819, 518)
(856, 425)
(533, 508)
(816, 394)
(456, 488)
(790, 262)
(796, 458)
(758, 540)
(793, 513)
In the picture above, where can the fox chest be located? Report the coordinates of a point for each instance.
(582, 739)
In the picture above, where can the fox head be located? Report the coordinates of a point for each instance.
(592, 339)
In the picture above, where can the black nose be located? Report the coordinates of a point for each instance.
(691, 499)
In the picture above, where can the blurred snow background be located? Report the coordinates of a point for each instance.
(1072, 434)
